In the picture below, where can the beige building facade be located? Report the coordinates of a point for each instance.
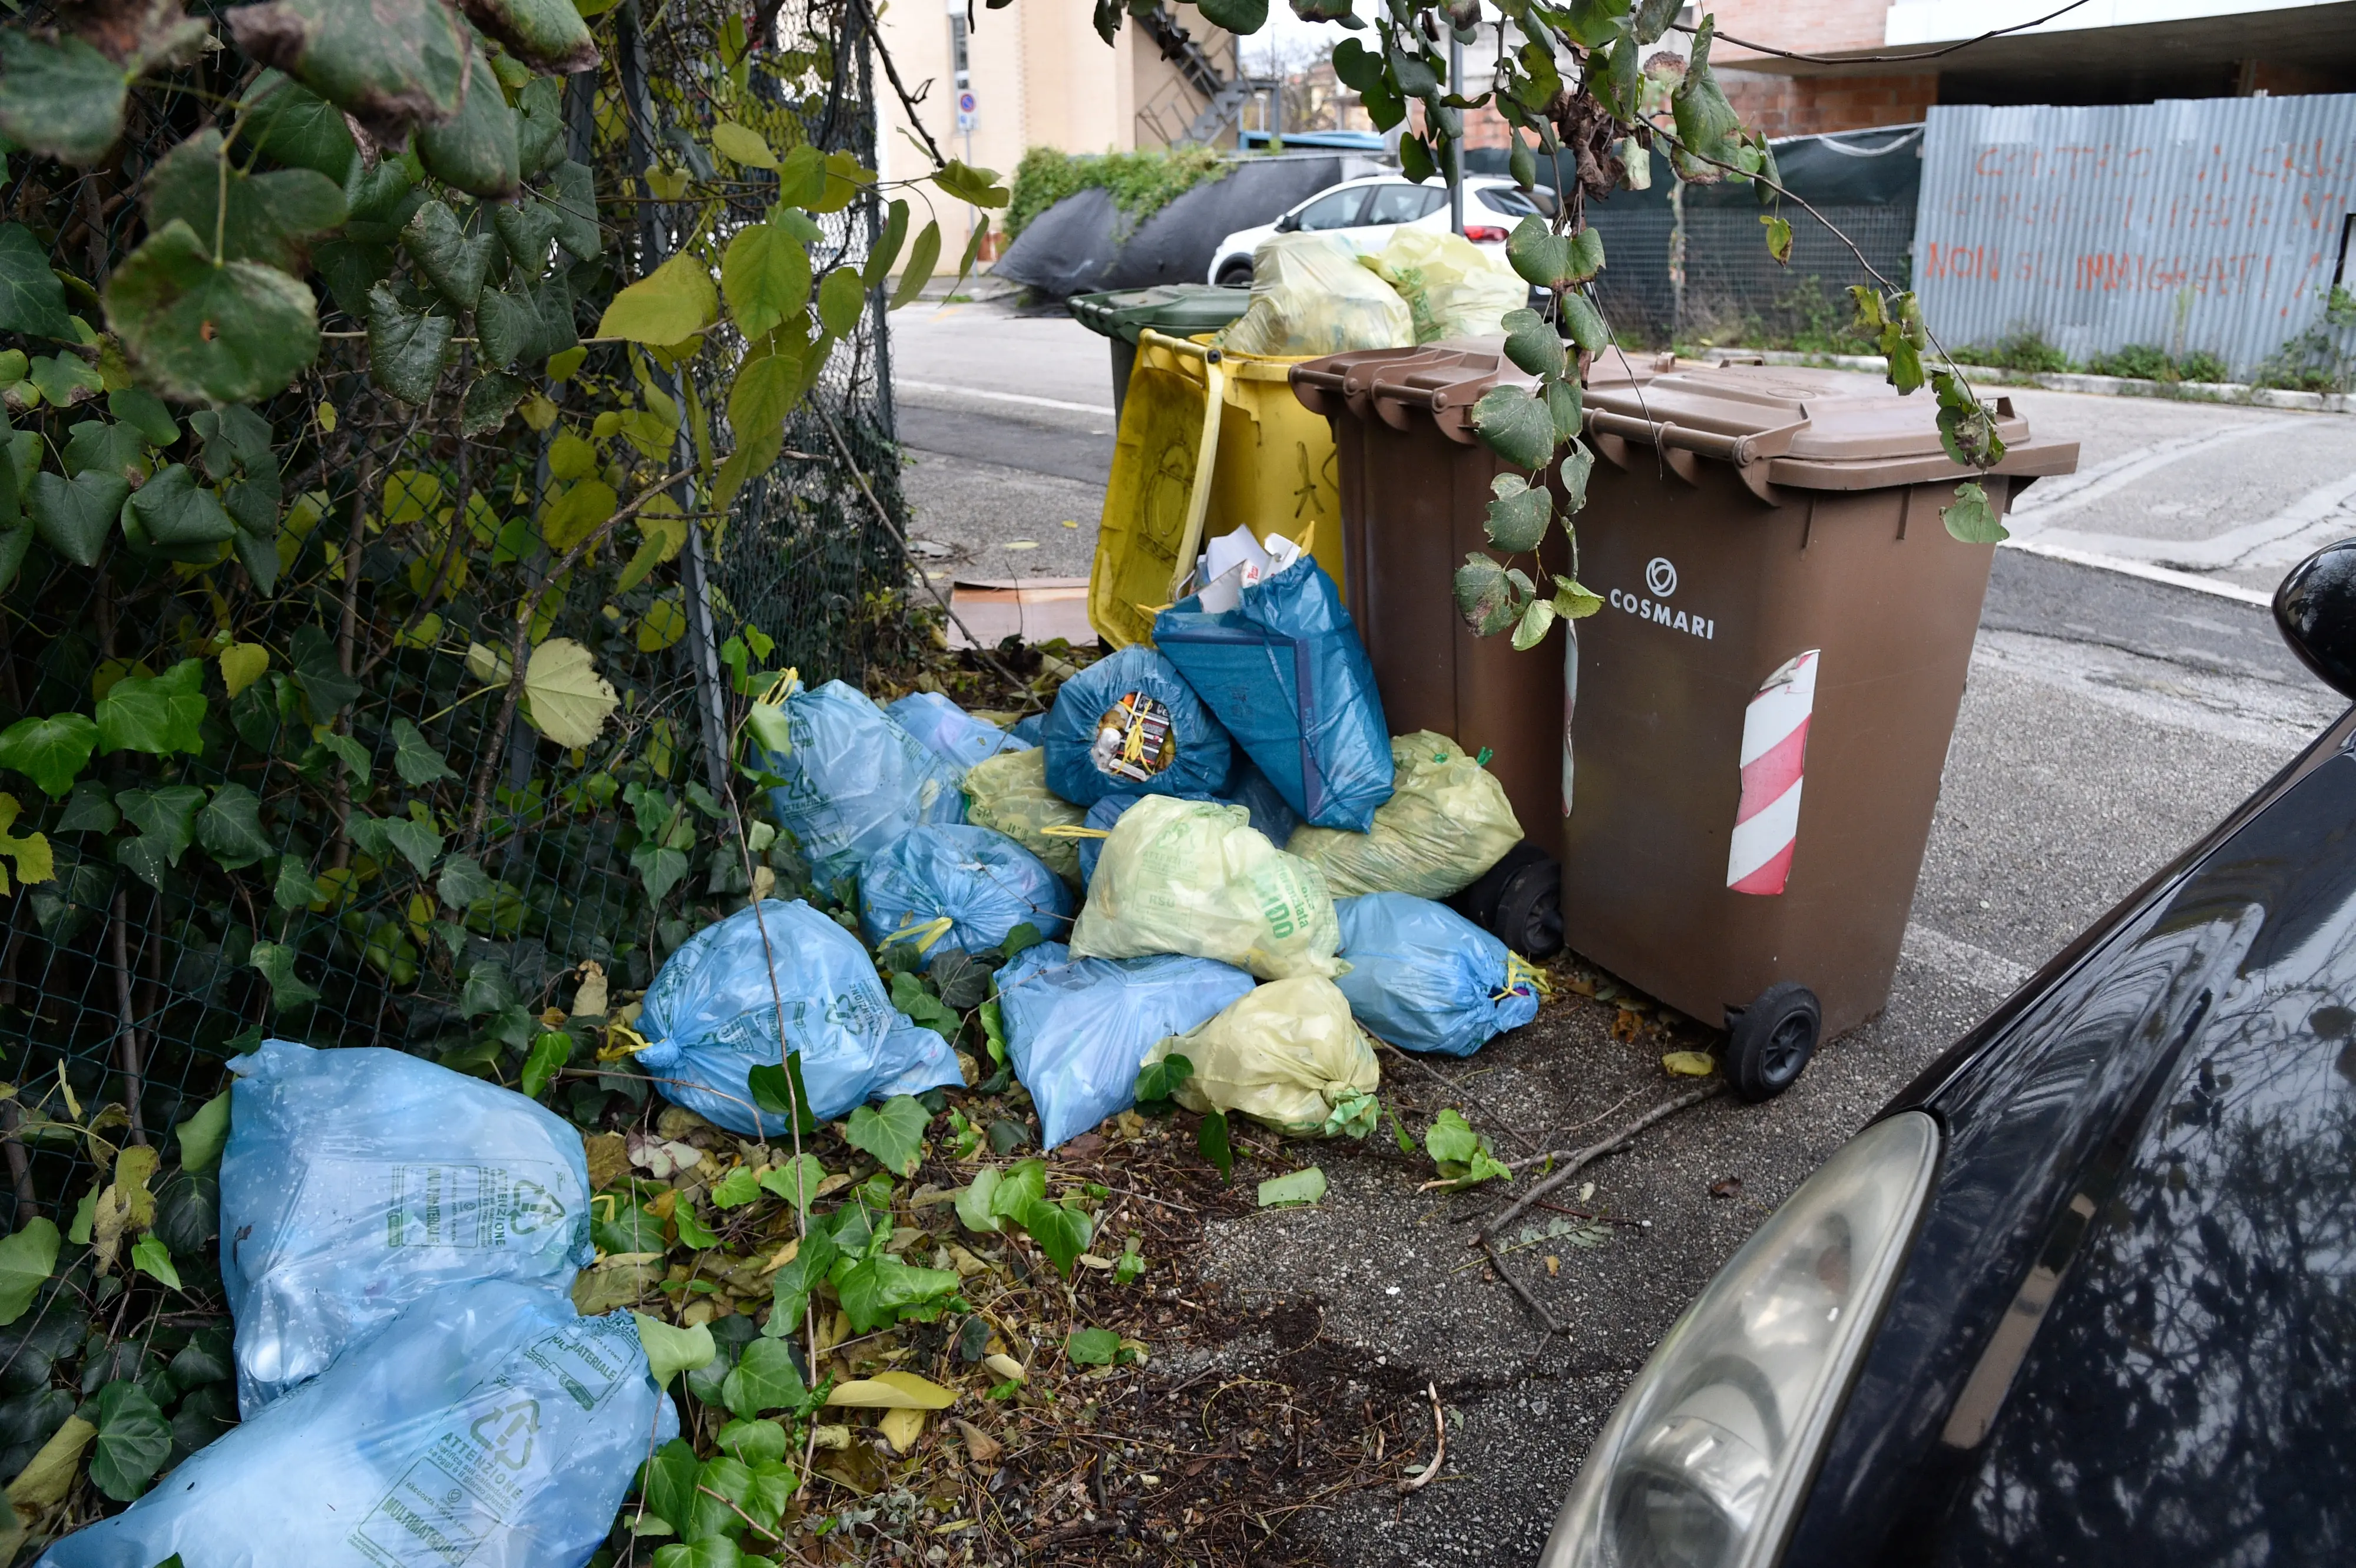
(1034, 73)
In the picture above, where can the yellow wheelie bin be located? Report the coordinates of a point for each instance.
(1209, 442)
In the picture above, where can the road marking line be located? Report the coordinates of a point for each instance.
(2052, 499)
(1963, 961)
(2148, 573)
(1102, 410)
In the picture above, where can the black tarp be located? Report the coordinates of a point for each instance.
(1080, 244)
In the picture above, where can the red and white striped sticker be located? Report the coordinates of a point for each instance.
(1775, 752)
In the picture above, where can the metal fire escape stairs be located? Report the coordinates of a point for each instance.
(1226, 96)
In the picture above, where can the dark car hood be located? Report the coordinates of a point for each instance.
(2124, 1331)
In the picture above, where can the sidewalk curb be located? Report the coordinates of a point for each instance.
(2237, 393)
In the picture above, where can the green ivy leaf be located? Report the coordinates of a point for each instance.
(692, 1231)
(1537, 618)
(96, 446)
(1566, 403)
(133, 1440)
(1779, 238)
(1577, 464)
(547, 35)
(766, 276)
(453, 260)
(1585, 323)
(32, 301)
(476, 149)
(550, 1052)
(1972, 518)
(1518, 513)
(63, 99)
(229, 828)
(795, 1181)
(921, 1006)
(151, 1257)
(573, 204)
(894, 1133)
(737, 1188)
(753, 1442)
(777, 1090)
(269, 216)
(464, 883)
(406, 348)
(288, 992)
(74, 516)
(1515, 426)
(840, 297)
(540, 123)
(384, 837)
(144, 411)
(1159, 1081)
(202, 333)
(1531, 343)
(414, 759)
(1485, 595)
(158, 715)
(350, 753)
(1538, 254)
(1092, 1347)
(721, 1486)
(670, 304)
(791, 1285)
(713, 1552)
(765, 1378)
(489, 402)
(50, 752)
(27, 1260)
(1062, 1233)
(1706, 123)
(177, 512)
(293, 886)
(202, 1135)
(880, 1289)
(392, 65)
(1574, 601)
(1241, 17)
(667, 1480)
(296, 128)
(671, 1350)
(1212, 1143)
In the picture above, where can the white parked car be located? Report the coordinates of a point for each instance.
(1365, 210)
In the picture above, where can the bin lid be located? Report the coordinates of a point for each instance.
(1810, 429)
(1787, 426)
(1181, 310)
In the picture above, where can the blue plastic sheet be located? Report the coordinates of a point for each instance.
(1079, 1030)
(1425, 979)
(964, 887)
(854, 781)
(1271, 813)
(1134, 699)
(710, 1018)
(488, 1424)
(1030, 729)
(949, 732)
(357, 1180)
(1286, 675)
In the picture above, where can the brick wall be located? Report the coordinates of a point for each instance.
(1805, 105)
(1815, 25)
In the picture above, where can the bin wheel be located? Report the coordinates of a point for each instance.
(1236, 274)
(1529, 911)
(1771, 1040)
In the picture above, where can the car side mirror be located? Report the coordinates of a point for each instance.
(1288, 223)
(2315, 608)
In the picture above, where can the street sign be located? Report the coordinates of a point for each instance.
(968, 112)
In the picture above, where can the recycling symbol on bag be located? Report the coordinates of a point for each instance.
(507, 1432)
(535, 1209)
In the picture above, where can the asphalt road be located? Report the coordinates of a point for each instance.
(2114, 713)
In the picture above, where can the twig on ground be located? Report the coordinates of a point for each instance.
(1523, 1139)
(1575, 1160)
(1438, 1436)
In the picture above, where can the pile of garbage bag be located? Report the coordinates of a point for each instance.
(1453, 287)
(962, 887)
(1309, 295)
(1194, 877)
(1131, 724)
(1424, 978)
(1445, 824)
(854, 779)
(400, 1243)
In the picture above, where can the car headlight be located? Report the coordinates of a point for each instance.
(1704, 1462)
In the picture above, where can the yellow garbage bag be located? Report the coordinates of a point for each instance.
(1009, 792)
(1447, 821)
(1193, 876)
(1288, 1055)
(1453, 289)
(1309, 295)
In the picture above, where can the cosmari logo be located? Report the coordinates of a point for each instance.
(1660, 579)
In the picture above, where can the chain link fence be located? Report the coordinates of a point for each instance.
(1732, 293)
(449, 922)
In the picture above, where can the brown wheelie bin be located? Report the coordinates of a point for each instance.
(1757, 717)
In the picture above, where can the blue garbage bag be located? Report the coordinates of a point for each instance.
(949, 732)
(1079, 1030)
(1131, 724)
(1425, 979)
(1287, 675)
(959, 887)
(1030, 729)
(710, 1018)
(488, 1424)
(357, 1180)
(854, 781)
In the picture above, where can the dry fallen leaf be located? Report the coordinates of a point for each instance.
(589, 999)
(1008, 1369)
(900, 1428)
(893, 1390)
(609, 1159)
(661, 1158)
(1727, 1186)
(980, 1446)
(1690, 1064)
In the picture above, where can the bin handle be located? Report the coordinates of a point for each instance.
(1207, 451)
(1743, 451)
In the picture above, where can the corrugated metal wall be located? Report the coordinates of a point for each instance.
(2207, 224)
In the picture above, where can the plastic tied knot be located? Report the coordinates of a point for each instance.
(1522, 977)
(1355, 1114)
(629, 1041)
(784, 685)
(1482, 760)
(920, 935)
